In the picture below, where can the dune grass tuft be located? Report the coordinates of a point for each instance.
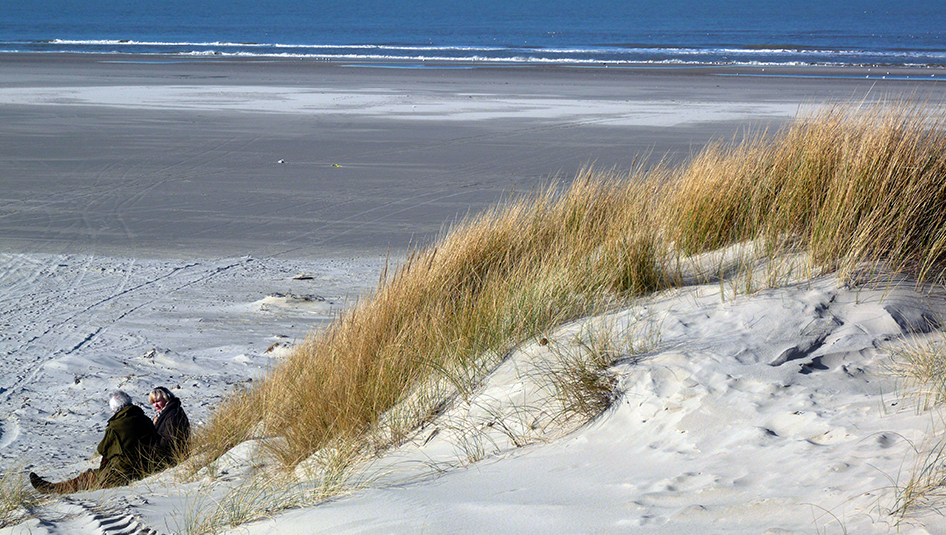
(844, 186)
(454, 310)
(850, 185)
(16, 498)
(923, 366)
(926, 485)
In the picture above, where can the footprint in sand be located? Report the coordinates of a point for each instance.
(832, 436)
(9, 432)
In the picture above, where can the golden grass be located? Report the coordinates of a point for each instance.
(579, 377)
(453, 311)
(846, 185)
(16, 496)
(853, 185)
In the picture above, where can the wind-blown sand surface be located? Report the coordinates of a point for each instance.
(167, 221)
(151, 156)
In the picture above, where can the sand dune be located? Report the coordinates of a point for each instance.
(150, 236)
(776, 412)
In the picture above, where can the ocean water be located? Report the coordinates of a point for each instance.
(764, 32)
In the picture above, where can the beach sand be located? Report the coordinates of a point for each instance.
(184, 221)
(169, 156)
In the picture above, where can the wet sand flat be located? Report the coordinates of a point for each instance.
(155, 157)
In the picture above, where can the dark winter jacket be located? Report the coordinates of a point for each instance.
(126, 448)
(173, 430)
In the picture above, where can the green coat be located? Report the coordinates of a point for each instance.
(127, 446)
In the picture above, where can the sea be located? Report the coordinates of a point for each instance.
(628, 32)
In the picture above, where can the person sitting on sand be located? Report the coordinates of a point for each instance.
(126, 450)
(171, 424)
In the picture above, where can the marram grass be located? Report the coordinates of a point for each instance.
(454, 309)
(851, 184)
(16, 498)
(845, 186)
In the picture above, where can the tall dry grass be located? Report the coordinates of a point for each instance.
(17, 499)
(846, 185)
(452, 311)
(850, 185)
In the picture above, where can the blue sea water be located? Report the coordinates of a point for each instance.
(765, 32)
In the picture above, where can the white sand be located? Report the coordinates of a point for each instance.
(77, 327)
(774, 412)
